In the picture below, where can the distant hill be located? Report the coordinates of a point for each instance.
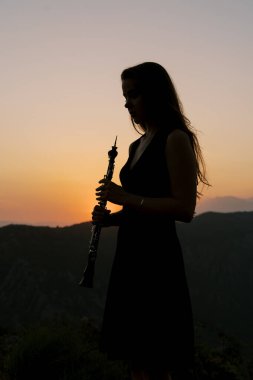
(40, 268)
(224, 204)
(4, 223)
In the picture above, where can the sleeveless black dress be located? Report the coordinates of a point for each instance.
(148, 315)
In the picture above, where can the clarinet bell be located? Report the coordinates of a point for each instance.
(88, 275)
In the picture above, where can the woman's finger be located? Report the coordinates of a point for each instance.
(103, 187)
(98, 208)
(105, 181)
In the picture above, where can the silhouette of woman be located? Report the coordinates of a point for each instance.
(148, 317)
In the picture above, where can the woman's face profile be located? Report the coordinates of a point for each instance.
(134, 100)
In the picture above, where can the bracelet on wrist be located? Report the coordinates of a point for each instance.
(141, 203)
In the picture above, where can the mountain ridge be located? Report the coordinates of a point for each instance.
(224, 204)
(216, 204)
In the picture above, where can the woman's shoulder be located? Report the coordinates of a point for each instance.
(177, 136)
(177, 142)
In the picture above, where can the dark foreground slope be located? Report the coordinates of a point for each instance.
(40, 268)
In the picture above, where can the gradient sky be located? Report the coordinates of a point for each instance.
(62, 105)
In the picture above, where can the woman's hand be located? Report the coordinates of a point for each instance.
(111, 192)
(100, 215)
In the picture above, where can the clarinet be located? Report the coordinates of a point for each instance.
(89, 271)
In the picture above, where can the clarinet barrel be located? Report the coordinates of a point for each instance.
(89, 271)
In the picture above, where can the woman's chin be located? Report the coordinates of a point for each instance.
(135, 119)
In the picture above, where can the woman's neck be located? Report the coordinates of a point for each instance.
(150, 129)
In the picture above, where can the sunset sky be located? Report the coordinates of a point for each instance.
(62, 104)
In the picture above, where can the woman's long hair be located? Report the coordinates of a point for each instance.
(164, 106)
